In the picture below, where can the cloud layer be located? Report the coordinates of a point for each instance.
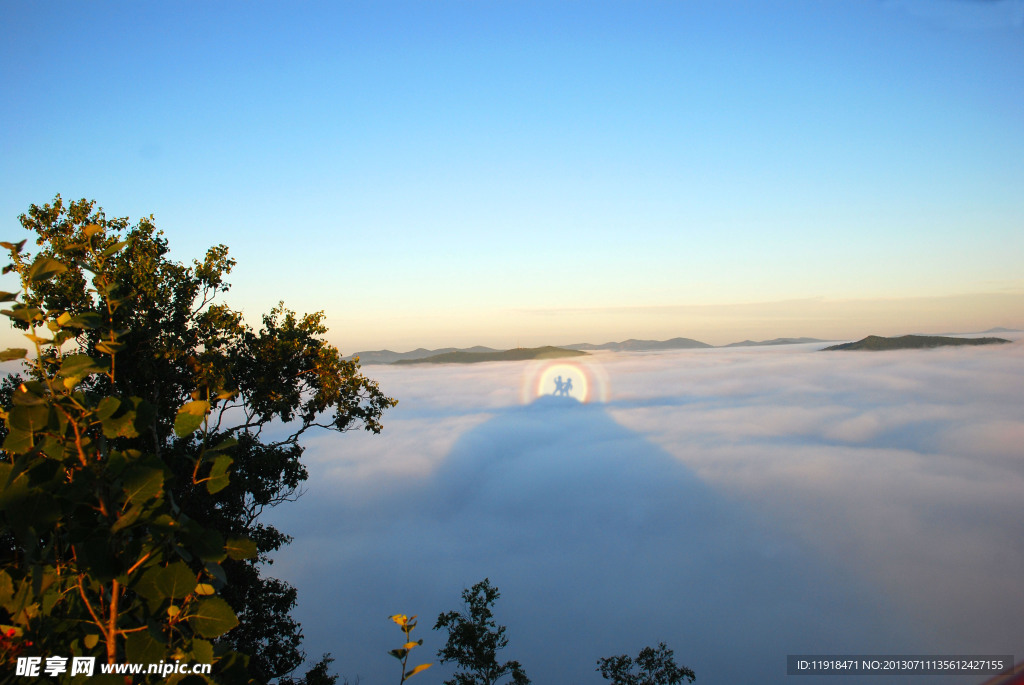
(740, 505)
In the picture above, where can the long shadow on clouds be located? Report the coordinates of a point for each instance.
(600, 542)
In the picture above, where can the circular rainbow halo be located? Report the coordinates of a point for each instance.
(582, 381)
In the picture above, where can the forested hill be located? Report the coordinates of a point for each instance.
(911, 342)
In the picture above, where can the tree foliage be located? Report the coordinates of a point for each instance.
(474, 640)
(656, 666)
(319, 674)
(138, 456)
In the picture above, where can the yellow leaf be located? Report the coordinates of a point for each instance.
(196, 408)
(400, 619)
(173, 611)
(204, 589)
(421, 667)
(410, 645)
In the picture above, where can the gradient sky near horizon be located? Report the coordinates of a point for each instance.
(502, 173)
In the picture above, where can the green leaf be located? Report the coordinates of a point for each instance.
(77, 367)
(142, 483)
(177, 580)
(107, 407)
(232, 667)
(240, 548)
(215, 570)
(8, 297)
(207, 544)
(141, 648)
(29, 393)
(23, 313)
(91, 640)
(127, 518)
(6, 587)
(224, 444)
(18, 441)
(190, 417)
(44, 268)
(28, 418)
(88, 320)
(212, 617)
(202, 652)
(125, 424)
(13, 353)
(38, 339)
(173, 581)
(53, 447)
(150, 585)
(110, 347)
(14, 486)
(116, 247)
(219, 477)
(21, 599)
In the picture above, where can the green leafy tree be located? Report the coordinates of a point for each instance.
(129, 323)
(100, 560)
(474, 640)
(656, 666)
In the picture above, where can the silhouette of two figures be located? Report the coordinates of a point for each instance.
(562, 388)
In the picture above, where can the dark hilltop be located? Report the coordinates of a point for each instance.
(911, 342)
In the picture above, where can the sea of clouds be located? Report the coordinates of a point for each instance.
(738, 504)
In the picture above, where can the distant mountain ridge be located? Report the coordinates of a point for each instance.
(775, 341)
(911, 342)
(389, 357)
(516, 354)
(632, 345)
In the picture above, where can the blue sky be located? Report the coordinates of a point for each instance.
(459, 173)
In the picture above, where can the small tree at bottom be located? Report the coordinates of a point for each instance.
(657, 667)
(474, 641)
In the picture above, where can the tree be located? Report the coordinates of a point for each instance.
(99, 561)
(153, 334)
(474, 640)
(317, 675)
(657, 667)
